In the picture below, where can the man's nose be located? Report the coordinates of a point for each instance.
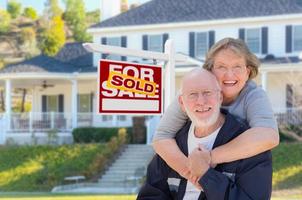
(201, 99)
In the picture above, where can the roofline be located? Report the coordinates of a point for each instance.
(47, 75)
(197, 23)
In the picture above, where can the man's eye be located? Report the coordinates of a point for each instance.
(193, 94)
(207, 93)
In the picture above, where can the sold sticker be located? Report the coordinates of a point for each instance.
(129, 88)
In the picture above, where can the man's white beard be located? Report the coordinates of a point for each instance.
(205, 123)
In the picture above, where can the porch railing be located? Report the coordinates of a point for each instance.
(33, 121)
(41, 122)
(289, 116)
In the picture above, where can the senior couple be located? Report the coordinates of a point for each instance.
(214, 140)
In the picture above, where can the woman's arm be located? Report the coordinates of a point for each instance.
(251, 142)
(168, 150)
(164, 143)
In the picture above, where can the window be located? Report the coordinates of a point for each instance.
(121, 118)
(52, 103)
(297, 38)
(107, 118)
(155, 43)
(84, 103)
(201, 44)
(253, 39)
(114, 41)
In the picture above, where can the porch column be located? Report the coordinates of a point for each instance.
(8, 102)
(169, 74)
(74, 103)
(264, 80)
(114, 120)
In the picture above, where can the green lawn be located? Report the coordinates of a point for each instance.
(39, 168)
(95, 197)
(287, 167)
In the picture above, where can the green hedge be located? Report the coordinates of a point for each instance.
(93, 134)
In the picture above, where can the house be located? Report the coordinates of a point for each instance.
(272, 30)
(63, 92)
(64, 87)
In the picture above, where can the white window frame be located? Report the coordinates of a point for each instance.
(260, 39)
(161, 43)
(293, 38)
(201, 56)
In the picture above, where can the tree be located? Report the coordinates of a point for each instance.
(53, 38)
(14, 9)
(75, 17)
(5, 21)
(30, 12)
(52, 9)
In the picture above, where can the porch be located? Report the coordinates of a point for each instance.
(20, 128)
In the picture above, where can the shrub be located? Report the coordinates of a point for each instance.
(92, 134)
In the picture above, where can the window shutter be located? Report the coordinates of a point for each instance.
(91, 101)
(241, 34)
(124, 44)
(288, 39)
(44, 103)
(211, 38)
(192, 44)
(264, 39)
(104, 41)
(61, 103)
(165, 38)
(145, 42)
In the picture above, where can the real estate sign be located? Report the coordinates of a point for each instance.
(129, 88)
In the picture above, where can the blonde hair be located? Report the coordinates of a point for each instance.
(237, 46)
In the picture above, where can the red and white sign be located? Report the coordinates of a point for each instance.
(129, 88)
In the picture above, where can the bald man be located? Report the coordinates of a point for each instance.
(209, 126)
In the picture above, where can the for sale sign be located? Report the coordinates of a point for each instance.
(129, 88)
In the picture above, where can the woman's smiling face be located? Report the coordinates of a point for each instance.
(231, 72)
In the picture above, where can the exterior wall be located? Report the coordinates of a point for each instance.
(180, 34)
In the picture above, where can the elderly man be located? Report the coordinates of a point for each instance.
(209, 127)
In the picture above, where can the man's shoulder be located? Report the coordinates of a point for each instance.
(183, 132)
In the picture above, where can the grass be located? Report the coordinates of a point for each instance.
(48, 196)
(40, 168)
(287, 166)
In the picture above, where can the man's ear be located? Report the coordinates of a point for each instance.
(181, 103)
(221, 97)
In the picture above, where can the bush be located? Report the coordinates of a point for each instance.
(92, 134)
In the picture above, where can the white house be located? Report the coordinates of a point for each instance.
(64, 87)
(272, 30)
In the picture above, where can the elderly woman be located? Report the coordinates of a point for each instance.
(234, 66)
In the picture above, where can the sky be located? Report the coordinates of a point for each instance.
(39, 4)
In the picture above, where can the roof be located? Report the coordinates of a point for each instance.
(270, 59)
(172, 11)
(71, 58)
